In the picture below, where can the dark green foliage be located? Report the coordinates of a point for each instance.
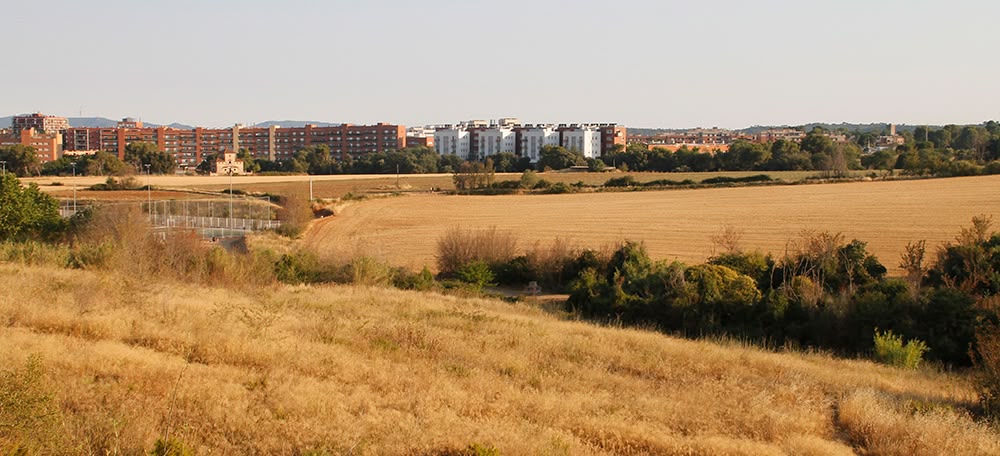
(668, 183)
(27, 212)
(702, 299)
(20, 160)
(170, 447)
(296, 268)
(556, 157)
(421, 281)
(828, 294)
(559, 188)
(737, 180)
(476, 273)
(140, 154)
(517, 271)
(115, 183)
(754, 265)
(624, 181)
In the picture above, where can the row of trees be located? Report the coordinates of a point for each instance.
(827, 293)
(101, 163)
(816, 152)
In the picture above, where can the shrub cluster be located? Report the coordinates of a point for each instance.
(826, 293)
(889, 349)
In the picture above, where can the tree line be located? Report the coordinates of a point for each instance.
(946, 151)
(825, 292)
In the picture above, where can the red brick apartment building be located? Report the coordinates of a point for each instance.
(611, 136)
(190, 147)
(48, 146)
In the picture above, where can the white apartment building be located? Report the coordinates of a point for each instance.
(476, 140)
(495, 140)
(586, 140)
(533, 138)
(449, 140)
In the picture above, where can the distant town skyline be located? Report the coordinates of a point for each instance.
(640, 63)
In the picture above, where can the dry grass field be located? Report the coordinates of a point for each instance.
(674, 224)
(364, 371)
(336, 186)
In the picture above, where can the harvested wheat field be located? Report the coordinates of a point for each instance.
(675, 224)
(121, 362)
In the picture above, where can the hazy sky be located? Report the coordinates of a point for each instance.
(641, 63)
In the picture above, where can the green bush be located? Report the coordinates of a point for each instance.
(624, 181)
(476, 273)
(889, 349)
(421, 281)
(113, 183)
(296, 268)
(737, 180)
(559, 188)
(528, 179)
(668, 183)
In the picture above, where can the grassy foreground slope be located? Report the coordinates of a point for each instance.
(349, 370)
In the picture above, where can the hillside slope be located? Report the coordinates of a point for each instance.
(348, 370)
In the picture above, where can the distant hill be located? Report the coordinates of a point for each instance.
(295, 123)
(94, 122)
(177, 125)
(851, 127)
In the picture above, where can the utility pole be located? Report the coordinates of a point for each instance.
(149, 194)
(4, 167)
(74, 187)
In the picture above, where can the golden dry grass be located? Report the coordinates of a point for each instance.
(336, 186)
(676, 224)
(350, 370)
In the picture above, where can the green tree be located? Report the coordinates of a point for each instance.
(473, 175)
(744, 156)
(883, 159)
(27, 212)
(140, 154)
(249, 162)
(103, 163)
(558, 157)
(787, 156)
(21, 160)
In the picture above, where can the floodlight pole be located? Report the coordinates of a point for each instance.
(230, 198)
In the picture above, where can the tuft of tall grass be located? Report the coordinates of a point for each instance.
(459, 247)
(880, 424)
(34, 253)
